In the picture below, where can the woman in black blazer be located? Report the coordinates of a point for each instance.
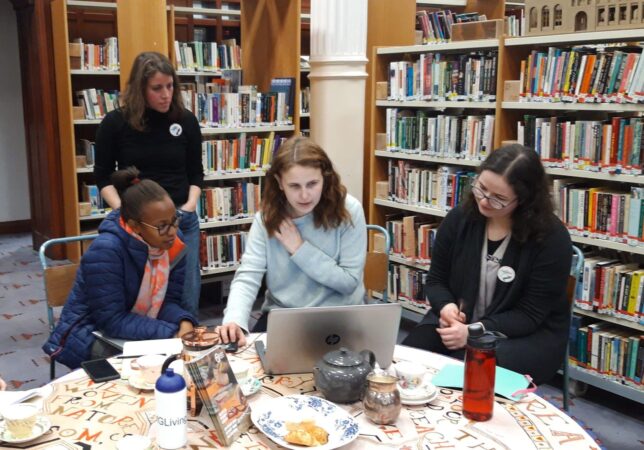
(502, 258)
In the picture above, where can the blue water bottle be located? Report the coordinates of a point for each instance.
(172, 413)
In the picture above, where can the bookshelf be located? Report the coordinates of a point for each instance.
(265, 27)
(507, 113)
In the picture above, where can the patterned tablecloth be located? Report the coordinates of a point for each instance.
(92, 416)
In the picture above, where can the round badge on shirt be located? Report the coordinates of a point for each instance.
(176, 130)
(505, 274)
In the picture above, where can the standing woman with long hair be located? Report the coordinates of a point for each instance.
(310, 239)
(502, 259)
(155, 133)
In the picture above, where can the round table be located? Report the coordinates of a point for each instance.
(98, 415)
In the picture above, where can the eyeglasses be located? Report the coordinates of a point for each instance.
(165, 228)
(494, 201)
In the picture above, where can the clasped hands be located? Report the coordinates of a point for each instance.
(452, 329)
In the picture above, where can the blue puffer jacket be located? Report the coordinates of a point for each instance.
(106, 287)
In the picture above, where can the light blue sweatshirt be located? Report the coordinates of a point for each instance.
(326, 270)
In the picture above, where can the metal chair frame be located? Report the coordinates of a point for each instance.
(375, 259)
(574, 274)
(58, 281)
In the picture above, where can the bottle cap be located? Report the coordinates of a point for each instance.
(479, 338)
(170, 382)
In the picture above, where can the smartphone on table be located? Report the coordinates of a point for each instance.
(100, 370)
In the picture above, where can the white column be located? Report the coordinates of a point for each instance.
(338, 79)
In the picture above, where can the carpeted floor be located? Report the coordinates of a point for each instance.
(615, 422)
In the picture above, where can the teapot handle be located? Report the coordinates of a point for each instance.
(168, 361)
(369, 356)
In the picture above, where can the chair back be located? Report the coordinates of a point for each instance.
(58, 279)
(376, 270)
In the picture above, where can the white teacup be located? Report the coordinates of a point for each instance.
(241, 369)
(150, 367)
(410, 375)
(20, 419)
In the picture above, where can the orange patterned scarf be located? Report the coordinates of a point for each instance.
(155, 278)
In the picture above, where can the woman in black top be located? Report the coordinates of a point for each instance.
(502, 259)
(157, 135)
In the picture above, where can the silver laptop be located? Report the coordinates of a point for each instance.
(298, 337)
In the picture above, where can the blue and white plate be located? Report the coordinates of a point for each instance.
(270, 418)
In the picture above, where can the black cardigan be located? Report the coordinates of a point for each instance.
(532, 310)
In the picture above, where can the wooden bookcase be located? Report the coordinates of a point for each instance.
(510, 53)
(266, 29)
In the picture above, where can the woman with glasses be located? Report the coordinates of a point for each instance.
(155, 133)
(502, 259)
(130, 280)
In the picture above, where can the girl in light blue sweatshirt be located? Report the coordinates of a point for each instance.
(310, 240)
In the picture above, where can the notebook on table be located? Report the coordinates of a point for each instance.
(296, 338)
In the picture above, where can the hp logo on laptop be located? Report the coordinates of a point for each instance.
(332, 339)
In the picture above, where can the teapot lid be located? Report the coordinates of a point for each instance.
(200, 337)
(343, 358)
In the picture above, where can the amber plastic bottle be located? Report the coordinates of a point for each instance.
(480, 370)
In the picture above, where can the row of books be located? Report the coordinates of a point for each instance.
(86, 56)
(605, 349)
(585, 74)
(96, 102)
(412, 237)
(406, 283)
(247, 107)
(92, 195)
(609, 286)
(86, 148)
(239, 154)
(444, 76)
(436, 26)
(515, 22)
(229, 202)
(441, 188)
(207, 56)
(221, 250)
(601, 212)
(597, 145)
(469, 137)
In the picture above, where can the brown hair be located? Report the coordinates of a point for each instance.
(329, 212)
(135, 193)
(146, 65)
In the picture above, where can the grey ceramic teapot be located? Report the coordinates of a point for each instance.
(341, 374)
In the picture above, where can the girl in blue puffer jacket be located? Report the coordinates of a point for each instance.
(130, 280)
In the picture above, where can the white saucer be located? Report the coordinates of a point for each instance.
(419, 401)
(250, 386)
(42, 426)
(140, 383)
(419, 395)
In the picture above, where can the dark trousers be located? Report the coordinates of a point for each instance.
(425, 337)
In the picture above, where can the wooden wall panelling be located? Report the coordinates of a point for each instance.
(270, 35)
(40, 117)
(389, 23)
(137, 35)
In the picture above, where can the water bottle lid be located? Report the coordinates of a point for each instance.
(479, 338)
(170, 382)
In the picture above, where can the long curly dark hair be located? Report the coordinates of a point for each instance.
(145, 66)
(329, 212)
(521, 167)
